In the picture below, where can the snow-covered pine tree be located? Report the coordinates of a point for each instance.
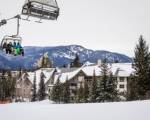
(34, 94)
(93, 89)
(41, 91)
(102, 86)
(142, 68)
(111, 89)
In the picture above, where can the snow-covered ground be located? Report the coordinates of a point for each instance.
(45, 110)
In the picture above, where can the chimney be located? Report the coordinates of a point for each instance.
(99, 62)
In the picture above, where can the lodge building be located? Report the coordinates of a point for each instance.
(75, 76)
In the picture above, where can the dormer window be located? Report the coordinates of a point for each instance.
(121, 86)
(121, 79)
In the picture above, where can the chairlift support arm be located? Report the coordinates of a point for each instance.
(18, 24)
(4, 21)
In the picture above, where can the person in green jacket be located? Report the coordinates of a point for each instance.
(17, 48)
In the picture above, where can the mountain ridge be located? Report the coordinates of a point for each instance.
(60, 55)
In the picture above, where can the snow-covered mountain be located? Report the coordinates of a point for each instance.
(60, 55)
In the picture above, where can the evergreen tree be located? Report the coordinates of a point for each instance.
(79, 97)
(111, 89)
(56, 94)
(66, 92)
(85, 92)
(13, 87)
(64, 66)
(93, 89)
(41, 92)
(142, 68)
(34, 94)
(20, 72)
(9, 81)
(132, 86)
(7, 86)
(42, 62)
(2, 86)
(76, 62)
(103, 83)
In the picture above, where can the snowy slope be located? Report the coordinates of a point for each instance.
(98, 111)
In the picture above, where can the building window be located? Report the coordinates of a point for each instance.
(121, 86)
(121, 79)
(73, 84)
(80, 78)
(24, 92)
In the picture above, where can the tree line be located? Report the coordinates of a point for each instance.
(7, 86)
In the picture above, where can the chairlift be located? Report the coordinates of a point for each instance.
(13, 38)
(43, 9)
(7, 40)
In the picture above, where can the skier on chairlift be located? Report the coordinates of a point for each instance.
(9, 48)
(4, 46)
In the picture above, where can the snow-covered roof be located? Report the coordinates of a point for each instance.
(89, 70)
(67, 75)
(122, 69)
(63, 74)
(88, 63)
(118, 69)
(64, 70)
(48, 72)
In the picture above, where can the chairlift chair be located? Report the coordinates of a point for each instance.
(10, 41)
(43, 9)
(13, 38)
(7, 39)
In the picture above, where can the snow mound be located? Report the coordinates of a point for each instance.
(45, 102)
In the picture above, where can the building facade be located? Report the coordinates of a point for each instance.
(75, 76)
